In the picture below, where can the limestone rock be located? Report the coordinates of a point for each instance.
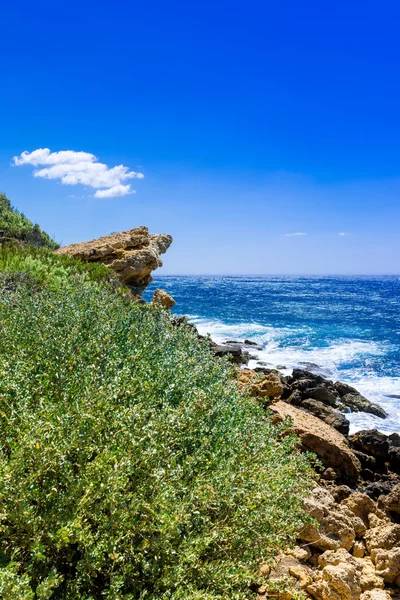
(301, 553)
(315, 435)
(358, 549)
(361, 505)
(290, 570)
(162, 298)
(260, 385)
(337, 525)
(132, 254)
(383, 537)
(338, 582)
(387, 563)
(370, 578)
(376, 595)
(377, 520)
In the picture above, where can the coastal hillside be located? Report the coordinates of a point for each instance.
(131, 466)
(15, 226)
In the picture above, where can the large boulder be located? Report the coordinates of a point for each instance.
(372, 442)
(315, 435)
(162, 298)
(336, 395)
(361, 505)
(132, 254)
(329, 415)
(233, 352)
(358, 403)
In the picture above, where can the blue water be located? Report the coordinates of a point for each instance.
(348, 326)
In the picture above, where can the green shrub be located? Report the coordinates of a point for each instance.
(15, 225)
(46, 268)
(130, 466)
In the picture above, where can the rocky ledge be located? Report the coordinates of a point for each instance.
(351, 549)
(133, 255)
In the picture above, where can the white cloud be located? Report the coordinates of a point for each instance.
(83, 168)
(116, 190)
(342, 233)
(294, 234)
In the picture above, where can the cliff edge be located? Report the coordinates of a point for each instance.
(132, 254)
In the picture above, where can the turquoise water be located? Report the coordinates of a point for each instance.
(348, 326)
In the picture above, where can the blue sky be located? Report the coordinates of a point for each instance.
(249, 121)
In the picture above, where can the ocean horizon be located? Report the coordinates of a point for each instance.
(344, 327)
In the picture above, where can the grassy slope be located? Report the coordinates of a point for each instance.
(15, 225)
(130, 466)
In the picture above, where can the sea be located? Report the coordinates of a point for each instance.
(344, 328)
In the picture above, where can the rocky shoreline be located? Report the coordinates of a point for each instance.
(351, 548)
(351, 551)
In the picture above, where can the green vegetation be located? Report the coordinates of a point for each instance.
(130, 466)
(42, 267)
(16, 226)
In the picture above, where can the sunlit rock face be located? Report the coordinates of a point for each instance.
(132, 254)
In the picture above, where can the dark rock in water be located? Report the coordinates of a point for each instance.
(262, 363)
(325, 395)
(344, 388)
(371, 442)
(393, 396)
(304, 374)
(250, 343)
(232, 351)
(281, 367)
(328, 414)
(394, 440)
(394, 459)
(243, 345)
(309, 365)
(265, 370)
(358, 403)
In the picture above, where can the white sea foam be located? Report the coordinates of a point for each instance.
(290, 348)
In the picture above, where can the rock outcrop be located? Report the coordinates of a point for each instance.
(338, 396)
(162, 298)
(260, 385)
(132, 254)
(350, 552)
(315, 435)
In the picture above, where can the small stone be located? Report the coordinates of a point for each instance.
(301, 553)
(358, 549)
